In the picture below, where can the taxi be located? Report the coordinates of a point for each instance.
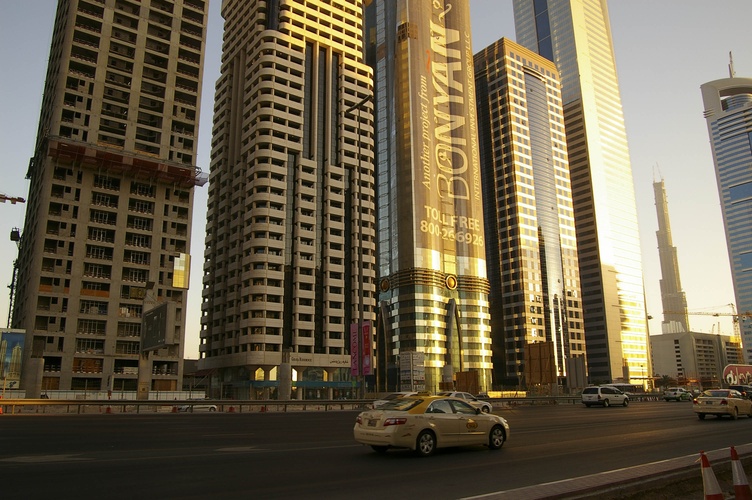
(424, 423)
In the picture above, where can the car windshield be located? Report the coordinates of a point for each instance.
(394, 395)
(716, 394)
(401, 404)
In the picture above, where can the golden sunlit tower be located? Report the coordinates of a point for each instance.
(290, 259)
(576, 35)
(532, 256)
(432, 270)
(108, 221)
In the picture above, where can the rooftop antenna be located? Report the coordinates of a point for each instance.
(732, 73)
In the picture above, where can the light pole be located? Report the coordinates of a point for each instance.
(359, 346)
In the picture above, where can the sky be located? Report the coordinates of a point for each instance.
(664, 51)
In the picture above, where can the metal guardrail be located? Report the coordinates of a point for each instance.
(93, 406)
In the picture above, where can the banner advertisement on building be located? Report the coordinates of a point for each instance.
(11, 355)
(354, 350)
(436, 43)
(367, 352)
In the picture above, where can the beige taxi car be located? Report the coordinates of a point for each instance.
(722, 402)
(424, 423)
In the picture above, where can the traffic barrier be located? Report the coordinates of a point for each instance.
(741, 484)
(710, 486)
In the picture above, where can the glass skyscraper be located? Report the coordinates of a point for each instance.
(432, 269)
(728, 112)
(529, 219)
(576, 35)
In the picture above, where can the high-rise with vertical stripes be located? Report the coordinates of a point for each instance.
(108, 221)
(728, 113)
(290, 257)
(576, 35)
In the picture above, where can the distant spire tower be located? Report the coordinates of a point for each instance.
(732, 73)
(675, 317)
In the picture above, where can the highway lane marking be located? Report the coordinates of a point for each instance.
(43, 459)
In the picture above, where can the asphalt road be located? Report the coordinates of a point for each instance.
(313, 455)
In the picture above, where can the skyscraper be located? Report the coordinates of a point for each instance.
(290, 259)
(529, 219)
(576, 35)
(432, 269)
(108, 219)
(675, 318)
(728, 112)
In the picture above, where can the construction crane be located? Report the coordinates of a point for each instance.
(733, 314)
(12, 199)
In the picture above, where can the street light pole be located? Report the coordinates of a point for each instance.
(359, 346)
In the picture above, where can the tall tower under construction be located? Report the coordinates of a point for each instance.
(675, 318)
(108, 220)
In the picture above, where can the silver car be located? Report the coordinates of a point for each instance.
(484, 406)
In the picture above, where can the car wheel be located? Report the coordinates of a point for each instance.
(701, 416)
(496, 438)
(485, 409)
(426, 444)
(735, 414)
(606, 403)
(379, 449)
(626, 402)
(212, 409)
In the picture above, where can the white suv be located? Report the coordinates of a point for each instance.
(605, 396)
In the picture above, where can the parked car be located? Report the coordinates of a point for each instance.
(484, 406)
(199, 405)
(677, 394)
(425, 423)
(746, 390)
(394, 395)
(604, 396)
(720, 402)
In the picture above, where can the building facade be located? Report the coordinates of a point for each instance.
(433, 286)
(108, 220)
(675, 318)
(529, 220)
(576, 35)
(728, 113)
(694, 359)
(290, 258)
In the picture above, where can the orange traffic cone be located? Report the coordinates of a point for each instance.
(232, 409)
(1, 409)
(741, 485)
(108, 410)
(174, 409)
(710, 484)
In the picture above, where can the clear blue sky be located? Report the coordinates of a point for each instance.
(664, 51)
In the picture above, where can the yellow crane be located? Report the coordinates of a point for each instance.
(733, 314)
